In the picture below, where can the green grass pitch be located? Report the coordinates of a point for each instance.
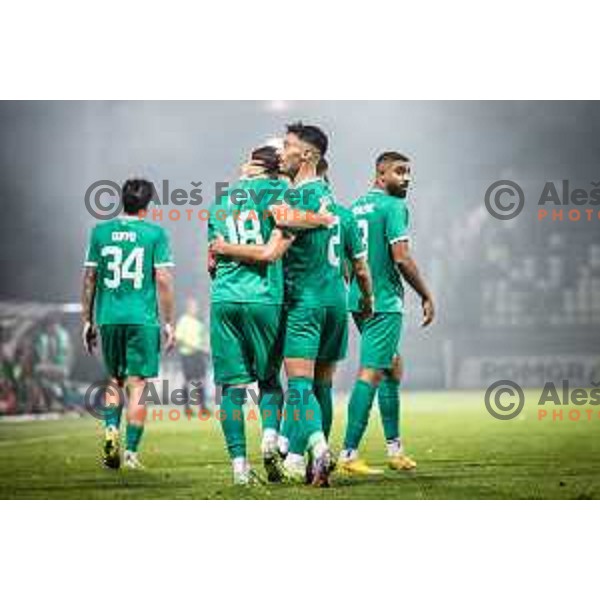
(462, 452)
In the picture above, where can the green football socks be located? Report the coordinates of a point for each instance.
(133, 435)
(112, 415)
(389, 407)
(359, 408)
(322, 391)
(232, 420)
(271, 404)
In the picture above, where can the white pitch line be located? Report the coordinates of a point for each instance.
(35, 440)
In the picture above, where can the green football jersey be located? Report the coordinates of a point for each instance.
(314, 263)
(383, 221)
(125, 252)
(242, 217)
(351, 244)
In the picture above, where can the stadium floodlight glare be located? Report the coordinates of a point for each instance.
(278, 105)
(71, 308)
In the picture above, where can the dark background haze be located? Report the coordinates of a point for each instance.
(514, 288)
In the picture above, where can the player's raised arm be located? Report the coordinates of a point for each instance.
(273, 250)
(411, 273)
(286, 215)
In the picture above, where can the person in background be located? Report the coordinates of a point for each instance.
(192, 344)
(54, 360)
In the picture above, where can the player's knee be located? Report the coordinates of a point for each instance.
(299, 367)
(324, 372)
(371, 376)
(136, 381)
(397, 369)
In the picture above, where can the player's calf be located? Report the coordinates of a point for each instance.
(113, 408)
(136, 418)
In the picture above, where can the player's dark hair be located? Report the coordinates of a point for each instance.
(322, 168)
(136, 195)
(390, 156)
(269, 157)
(310, 134)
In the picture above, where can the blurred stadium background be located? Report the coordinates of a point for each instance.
(517, 299)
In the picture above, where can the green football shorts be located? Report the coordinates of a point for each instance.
(380, 339)
(131, 350)
(246, 341)
(316, 333)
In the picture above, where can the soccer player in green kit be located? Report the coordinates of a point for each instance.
(323, 311)
(128, 261)
(348, 252)
(383, 218)
(316, 335)
(247, 303)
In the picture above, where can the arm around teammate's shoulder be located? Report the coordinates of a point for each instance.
(270, 252)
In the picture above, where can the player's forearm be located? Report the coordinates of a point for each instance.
(88, 294)
(258, 253)
(410, 272)
(363, 276)
(166, 295)
(286, 216)
(247, 253)
(277, 246)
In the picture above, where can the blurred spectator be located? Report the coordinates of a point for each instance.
(53, 363)
(518, 273)
(192, 345)
(8, 379)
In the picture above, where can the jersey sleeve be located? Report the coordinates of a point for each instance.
(396, 223)
(163, 257)
(92, 255)
(353, 243)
